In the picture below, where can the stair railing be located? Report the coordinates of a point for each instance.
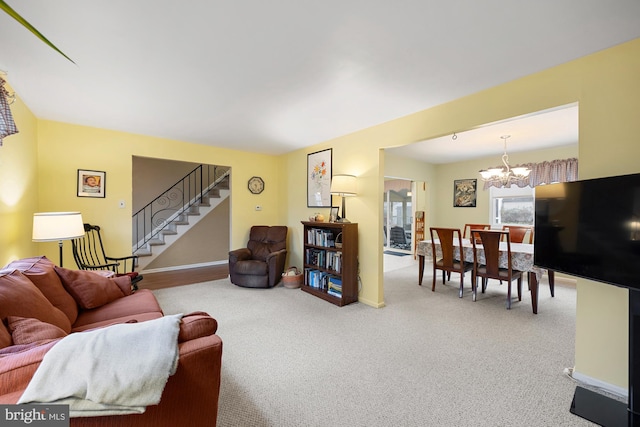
(169, 206)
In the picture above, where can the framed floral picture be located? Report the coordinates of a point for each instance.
(464, 193)
(319, 179)
(91, 183)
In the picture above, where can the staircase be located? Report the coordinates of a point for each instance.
(163, 221)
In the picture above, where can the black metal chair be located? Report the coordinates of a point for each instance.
(398, 238)
(89, 254)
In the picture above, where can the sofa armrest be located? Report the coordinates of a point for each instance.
(190, 396)
(195, 325)
(18, 364)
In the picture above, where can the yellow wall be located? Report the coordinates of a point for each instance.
(447, 216)
(64, 148)
(605, 85)
(18, 186)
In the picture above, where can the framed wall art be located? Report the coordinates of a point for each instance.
(464, 193)
(319, 179)
(91, 183)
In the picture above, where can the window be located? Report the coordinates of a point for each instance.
(512, 205)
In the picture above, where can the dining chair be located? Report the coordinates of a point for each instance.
(519, 233)
(468, 227)
(490, 241)
(448, 263)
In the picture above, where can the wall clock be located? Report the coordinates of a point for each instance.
(256, 185)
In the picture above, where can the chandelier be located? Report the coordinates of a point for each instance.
(505, 175)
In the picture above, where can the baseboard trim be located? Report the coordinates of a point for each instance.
(371, 303)
(598, 384)
(184, 267)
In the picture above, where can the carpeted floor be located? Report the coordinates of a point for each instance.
(426, 359)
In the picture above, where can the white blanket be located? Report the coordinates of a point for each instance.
(116, 370)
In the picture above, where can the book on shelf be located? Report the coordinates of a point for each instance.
(317, 279)
(322, 258)
(324, 281)
(321, 237)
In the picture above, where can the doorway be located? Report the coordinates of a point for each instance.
(398, 215)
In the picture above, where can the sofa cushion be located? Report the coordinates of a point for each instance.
(131, 318)
(20, 297)
(252, 267)
(136, 306)
(89, 289)
(5, 336)
(28, 330)
(41, 272)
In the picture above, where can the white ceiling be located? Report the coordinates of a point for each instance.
(275, 76)
(545, 129)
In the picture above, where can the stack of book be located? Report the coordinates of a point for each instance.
(335, 286)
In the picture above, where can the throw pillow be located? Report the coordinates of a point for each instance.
(89, 289)
(26, 330)
(5, 337)
(124, 283)
(20, 297)
(40, 271)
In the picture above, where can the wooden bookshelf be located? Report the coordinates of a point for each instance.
(326, 264)
(418, 232)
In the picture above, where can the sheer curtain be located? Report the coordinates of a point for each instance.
(560, 170)
(7, 125)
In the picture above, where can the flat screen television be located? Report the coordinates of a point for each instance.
(590, 229)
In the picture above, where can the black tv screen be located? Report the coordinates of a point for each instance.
(590, 229)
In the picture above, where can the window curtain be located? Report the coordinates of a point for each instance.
(547, 172)
(7, 125)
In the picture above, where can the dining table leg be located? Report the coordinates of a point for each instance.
(534, 285)
(420, 269)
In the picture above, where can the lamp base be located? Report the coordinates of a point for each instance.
(344, 220)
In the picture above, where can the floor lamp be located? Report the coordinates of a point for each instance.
(344, 186)
(57, 226)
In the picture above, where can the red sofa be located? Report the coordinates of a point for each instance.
(40, 303)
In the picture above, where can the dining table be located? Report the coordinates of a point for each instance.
(521, 260)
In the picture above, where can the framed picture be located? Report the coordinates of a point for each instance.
(91, 183)
(319, 179)
(464, 193)
(333, 215)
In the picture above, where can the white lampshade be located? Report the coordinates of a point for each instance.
(55, 226)
(344, 185)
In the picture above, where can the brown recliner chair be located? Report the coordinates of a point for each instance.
(261, 263)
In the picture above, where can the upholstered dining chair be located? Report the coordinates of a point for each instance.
(89, 254)
(490, 240)
(519, 233)
(448, 263)
(261, 263)
(466, 233)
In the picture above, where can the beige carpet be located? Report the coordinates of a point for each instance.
(426, 359)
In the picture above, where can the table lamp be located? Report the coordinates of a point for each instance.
(344, 186)
(52, 226)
